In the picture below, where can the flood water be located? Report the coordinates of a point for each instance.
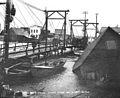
(62, 85)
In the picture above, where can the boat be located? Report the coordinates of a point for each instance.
(19, 70)
(80, 43)
(47, 69)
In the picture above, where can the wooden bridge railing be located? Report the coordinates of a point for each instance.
(27, 50)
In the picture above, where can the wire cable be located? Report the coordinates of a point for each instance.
(35, 16)
(2, 16)
(31, 5)
(51, 25)
(30, 15)
(22, 15)
(20, 21)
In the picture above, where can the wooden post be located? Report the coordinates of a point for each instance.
(15, 47)
(85, 29)
(50, 49)
(39, 51)
(96, 25)
(7, 26)
(46, 29)
(71, 32)
(65, 29)
(26, 49)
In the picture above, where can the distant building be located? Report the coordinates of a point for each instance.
(59, 33)
(35, 31)
(26, 29)
(20, 31)
(23, 31)
(15, 34)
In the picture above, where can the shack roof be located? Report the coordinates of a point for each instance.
(116, 29)
(19, 31)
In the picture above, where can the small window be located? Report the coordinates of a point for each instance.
(91, 75)
(111, 44)
(31, 31)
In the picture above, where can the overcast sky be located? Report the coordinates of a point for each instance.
(108, 10)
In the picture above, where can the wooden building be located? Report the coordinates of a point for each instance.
(15, 33)
(100, 61)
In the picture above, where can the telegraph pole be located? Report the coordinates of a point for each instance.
(65, 29)
(85, 12)
(85, 27)
(96, 25)
(71, 31)
(6, 28)
(46, 33)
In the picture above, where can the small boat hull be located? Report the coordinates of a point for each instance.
(23, 73)
(18, 71)
(43, 71)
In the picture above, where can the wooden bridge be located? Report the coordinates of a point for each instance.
(27, 50)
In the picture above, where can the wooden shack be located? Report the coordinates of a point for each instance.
(101, 59)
